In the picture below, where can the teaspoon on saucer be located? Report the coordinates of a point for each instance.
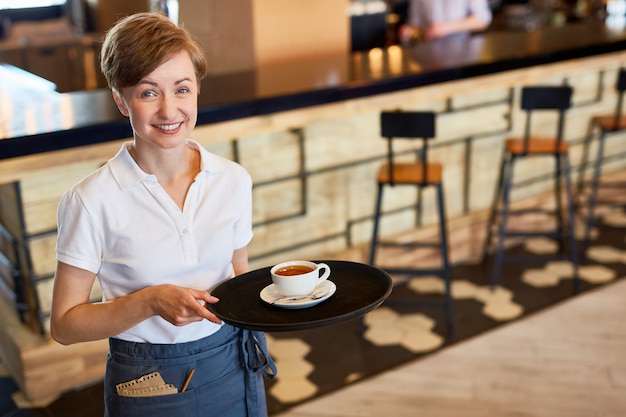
(314, 296)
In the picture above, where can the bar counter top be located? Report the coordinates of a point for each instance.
(35, 119)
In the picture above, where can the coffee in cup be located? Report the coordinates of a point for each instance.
(294, 278)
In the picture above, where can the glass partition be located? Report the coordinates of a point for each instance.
(24, 4)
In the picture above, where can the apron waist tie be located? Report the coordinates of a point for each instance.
(256, 356)
(259, 363)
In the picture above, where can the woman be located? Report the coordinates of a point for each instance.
(163, 221)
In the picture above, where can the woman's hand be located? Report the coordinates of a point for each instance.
(181, 305)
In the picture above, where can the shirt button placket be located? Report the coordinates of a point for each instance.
(188, 246)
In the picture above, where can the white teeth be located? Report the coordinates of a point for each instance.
(169, 127)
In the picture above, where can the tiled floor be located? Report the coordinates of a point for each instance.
(315, 362)
(323, 360)
(568, 360)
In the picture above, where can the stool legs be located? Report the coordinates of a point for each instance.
(558, 199)
(565, 233)
(573, 248)
(377, 211)
(444, 273)
(494, 209)
(595, 180)
(584, 161)
(443, 233)
(504, 192)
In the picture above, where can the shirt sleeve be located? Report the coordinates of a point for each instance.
(243, 227)
(78, 242)
(480, 9)
(423, 12)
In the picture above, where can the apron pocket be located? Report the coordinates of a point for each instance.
(221, 397)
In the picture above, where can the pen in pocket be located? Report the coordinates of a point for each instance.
(186, 383)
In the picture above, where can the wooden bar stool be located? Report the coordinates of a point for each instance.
(557, 99)
(411, 126)
(606, 124)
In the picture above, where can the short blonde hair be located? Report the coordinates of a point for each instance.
(136, 45)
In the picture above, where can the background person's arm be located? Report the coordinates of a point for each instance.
(469, 24)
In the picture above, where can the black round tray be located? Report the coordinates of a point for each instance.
(360, 289)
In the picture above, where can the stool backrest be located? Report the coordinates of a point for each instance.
(557, 98)
(407, 125)
(620, 86)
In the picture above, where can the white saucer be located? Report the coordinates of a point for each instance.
(269, 294)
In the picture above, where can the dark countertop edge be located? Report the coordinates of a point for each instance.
(64, 139)
(215, 114)
(120, 129)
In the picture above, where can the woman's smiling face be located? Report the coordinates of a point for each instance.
(163, 106)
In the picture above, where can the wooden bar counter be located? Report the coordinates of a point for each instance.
(307, 132)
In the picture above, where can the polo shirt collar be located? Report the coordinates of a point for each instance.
(127, 173)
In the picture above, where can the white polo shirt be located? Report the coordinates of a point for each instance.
(120, 224)
(424, 13)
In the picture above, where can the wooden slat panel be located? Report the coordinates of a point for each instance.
(43, 255)
(10, 215)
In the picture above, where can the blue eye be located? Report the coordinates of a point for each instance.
(182, 90)
(148, 94)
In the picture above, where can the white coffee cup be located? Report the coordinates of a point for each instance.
(293, 278)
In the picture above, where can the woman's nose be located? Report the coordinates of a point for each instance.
(167, 108)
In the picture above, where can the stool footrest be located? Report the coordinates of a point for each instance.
(548, 234)
(582, 208)
(514, 259)
(417, 272)
(409, 244)
(411, 301)
(614, 184)
(528, 211)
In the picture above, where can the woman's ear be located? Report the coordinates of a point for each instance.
(120, 102)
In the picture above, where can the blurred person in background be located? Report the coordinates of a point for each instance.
(433, 19)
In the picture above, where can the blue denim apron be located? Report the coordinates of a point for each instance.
(228, 379)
